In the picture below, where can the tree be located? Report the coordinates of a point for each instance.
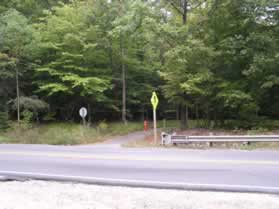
(6, 90)
(206, 59)
(75, 62)
(15, 42)
(240, 44)
(29, 8)
(130, 51)
(184, 73)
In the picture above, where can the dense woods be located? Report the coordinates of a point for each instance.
(216, 60)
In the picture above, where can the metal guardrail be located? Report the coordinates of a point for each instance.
(183, 139)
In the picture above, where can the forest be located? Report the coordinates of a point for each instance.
(211, 60)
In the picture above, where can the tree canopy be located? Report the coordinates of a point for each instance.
(211, 59)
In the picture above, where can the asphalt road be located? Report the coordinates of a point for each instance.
(108, 163)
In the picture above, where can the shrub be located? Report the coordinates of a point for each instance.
(31, 104)
(27, 119)
(3, 121)
(102, 126)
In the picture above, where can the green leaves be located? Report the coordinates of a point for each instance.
(73, 70)
(54, 88)
(15, 33)
(31, 103)
(270, 82)
(220, 57)
(234, 98)
(196, 83)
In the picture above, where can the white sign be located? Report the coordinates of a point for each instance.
(83, 112)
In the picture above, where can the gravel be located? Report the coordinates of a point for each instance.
(53, 195)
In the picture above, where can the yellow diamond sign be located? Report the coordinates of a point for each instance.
(154, 100)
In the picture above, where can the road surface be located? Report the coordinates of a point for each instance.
(108, 163)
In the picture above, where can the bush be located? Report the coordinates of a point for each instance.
(3, 121)
(27, 119)
(102, 126)
(31, 104)
(256, 131)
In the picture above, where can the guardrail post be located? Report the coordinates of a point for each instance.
(209, 144)
(165, 138)
(246, 143)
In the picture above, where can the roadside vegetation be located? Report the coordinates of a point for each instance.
(74, 133)
(214, 62)
(65, 133)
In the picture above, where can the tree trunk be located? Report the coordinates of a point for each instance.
(208, 116)
(124, 120)
(89, 115)
(215, 118)
(184, 117)
(37, 116)
(177, 112)
(197, 116)
(143, 114)
(17, 95)
(185, 11)
(184, 108)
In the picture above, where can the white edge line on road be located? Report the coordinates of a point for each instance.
(138, 182)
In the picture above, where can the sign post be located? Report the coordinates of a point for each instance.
(154, 102)
(83, 113)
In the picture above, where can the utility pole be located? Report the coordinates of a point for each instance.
(123, 81)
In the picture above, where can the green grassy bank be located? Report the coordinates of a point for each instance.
(66, 133)
(73, 133)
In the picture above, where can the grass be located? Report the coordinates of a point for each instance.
(118, 128)
(3, 139)
(175, 124)
(71, 133)
(66, 133)
(262, 145)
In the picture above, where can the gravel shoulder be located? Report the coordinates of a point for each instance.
(53, 195)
